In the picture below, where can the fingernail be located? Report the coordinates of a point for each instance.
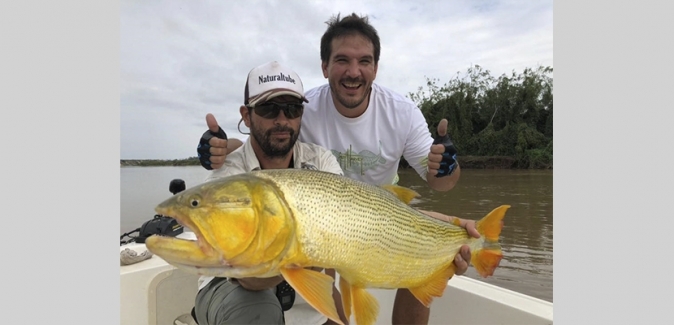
(458, 258)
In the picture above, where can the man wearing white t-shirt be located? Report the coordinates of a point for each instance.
(368, 128)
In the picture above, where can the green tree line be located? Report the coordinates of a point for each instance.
(507, 116)
(191, 161)
(503, 122)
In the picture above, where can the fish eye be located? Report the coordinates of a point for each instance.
(194, 203)
(193, 200)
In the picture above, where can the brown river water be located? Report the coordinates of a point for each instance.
(526, 238)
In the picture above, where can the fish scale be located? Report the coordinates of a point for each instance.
(377, 233)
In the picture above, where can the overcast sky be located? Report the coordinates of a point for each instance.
(180, 60)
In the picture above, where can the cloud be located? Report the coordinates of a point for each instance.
(181, 60)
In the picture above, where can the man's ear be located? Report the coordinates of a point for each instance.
(324, 67)
(245, 116)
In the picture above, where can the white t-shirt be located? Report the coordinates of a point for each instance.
(306, 156)
(369, 147)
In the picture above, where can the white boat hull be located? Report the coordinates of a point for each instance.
(155, 293)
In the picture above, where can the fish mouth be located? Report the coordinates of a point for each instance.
(207, 270)
(188, 252)
(184, 252)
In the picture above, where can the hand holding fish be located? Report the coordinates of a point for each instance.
(461, 260)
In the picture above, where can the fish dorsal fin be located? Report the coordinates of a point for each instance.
(316, 288)
(403, 193)
(435, 287)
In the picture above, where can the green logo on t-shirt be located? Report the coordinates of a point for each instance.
(352, 162)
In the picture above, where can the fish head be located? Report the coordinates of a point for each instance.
(240, 221)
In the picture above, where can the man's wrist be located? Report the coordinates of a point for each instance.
(456, 221)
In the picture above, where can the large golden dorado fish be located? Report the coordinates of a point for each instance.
(271, 222)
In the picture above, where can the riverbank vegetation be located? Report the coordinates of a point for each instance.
(191, 161)
(503, 122)
(508, 116)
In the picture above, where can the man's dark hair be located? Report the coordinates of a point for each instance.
(348, 26)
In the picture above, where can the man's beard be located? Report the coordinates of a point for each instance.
(274, 150)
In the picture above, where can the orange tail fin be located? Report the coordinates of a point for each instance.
(486, 259)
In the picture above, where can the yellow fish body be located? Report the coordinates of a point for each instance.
(272, 222)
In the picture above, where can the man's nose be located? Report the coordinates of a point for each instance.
(353, 70)
(281, 119)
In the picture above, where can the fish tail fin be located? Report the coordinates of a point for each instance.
(486, 259)
(403, 193)
(490, 225)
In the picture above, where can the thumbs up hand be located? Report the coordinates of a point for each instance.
(212, 148)
(442, 158)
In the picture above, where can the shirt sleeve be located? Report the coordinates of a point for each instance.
(330, 164)
(418, 143)
(227, 169)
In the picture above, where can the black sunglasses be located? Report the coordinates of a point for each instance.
(270, 110)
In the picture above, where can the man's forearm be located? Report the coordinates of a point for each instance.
(440, 216)
(408, 310)
(233, 144)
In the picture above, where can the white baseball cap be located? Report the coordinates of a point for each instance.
(272, 80)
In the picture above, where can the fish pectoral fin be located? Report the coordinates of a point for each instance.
(365, 306)
(403, 193)
(345, 290)
(435, 286)
(315, 288)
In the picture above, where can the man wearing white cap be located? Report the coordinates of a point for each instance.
(272, 110)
